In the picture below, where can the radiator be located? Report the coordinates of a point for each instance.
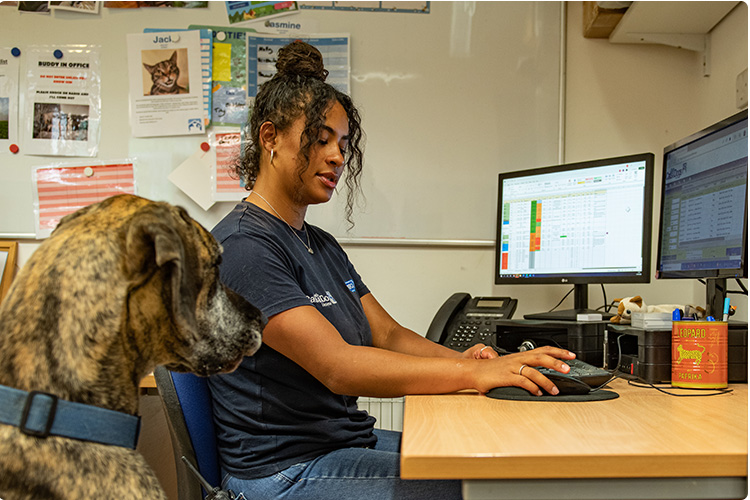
(388, 412)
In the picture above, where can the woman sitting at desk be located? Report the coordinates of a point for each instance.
(287, 419)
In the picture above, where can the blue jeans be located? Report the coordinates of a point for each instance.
(359, 473)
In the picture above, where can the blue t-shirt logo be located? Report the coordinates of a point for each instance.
(350, 285)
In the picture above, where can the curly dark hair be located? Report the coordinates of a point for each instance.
(299, 88)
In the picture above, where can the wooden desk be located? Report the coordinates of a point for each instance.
(644, 444)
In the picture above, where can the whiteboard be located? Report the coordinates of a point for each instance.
(448, 100)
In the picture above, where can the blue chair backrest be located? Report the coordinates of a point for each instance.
(197, 408)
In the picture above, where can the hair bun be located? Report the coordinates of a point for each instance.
(300, 58)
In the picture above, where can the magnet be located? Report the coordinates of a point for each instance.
(205, 147)
(15, 51)
(88, 171)
(58, 54)
(13, 148)
(221, 36)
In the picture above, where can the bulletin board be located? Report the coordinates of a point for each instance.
(449, 98)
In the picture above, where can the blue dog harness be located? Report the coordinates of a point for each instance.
(41, 414)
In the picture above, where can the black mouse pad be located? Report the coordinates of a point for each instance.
(518, 394)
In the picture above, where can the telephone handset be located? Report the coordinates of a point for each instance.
(463, 320)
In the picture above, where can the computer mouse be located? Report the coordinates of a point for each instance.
(568, 385)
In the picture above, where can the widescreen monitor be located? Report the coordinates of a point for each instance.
(703, 216)
(576, 223)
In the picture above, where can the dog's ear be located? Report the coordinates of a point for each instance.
(151, 241)
(154, 244)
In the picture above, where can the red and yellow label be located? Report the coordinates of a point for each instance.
(699, 354)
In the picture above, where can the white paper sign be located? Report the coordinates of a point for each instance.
(8, 101)
(62, 100)
(193, 177)
(165, 84)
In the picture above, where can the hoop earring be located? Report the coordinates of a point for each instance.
(271, 157)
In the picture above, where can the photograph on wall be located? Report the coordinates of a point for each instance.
(166, 92)
(8, 101)
(62, 101)
(84, 7)
(35, 7)
(67, 122)
(136, 5)
(240, 12)
(163, 74)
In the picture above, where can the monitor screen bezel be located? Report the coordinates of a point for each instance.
(583, 278)
(740, 272)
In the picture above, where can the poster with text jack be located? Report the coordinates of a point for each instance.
(166, 95)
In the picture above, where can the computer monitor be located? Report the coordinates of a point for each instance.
(577, 223)
(703, 217)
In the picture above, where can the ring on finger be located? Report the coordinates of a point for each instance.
(521, 369)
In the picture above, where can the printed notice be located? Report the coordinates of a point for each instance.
(227, 149)
(166, 95)
(62, 102)
(8, 101)
(60, 190)
(263, 49)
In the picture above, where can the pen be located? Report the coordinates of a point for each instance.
(725, 317)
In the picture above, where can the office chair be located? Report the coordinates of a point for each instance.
(187, 403)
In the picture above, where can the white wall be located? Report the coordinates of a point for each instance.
(621, 99)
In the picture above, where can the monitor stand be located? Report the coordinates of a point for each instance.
(715, 293)
(580, 304)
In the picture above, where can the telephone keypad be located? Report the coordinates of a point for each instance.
(469, 332)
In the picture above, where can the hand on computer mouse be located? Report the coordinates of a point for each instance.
(480, 351)
(516, 370)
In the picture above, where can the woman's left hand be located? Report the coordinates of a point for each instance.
(480, 351)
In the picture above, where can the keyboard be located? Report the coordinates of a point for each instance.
(590, 374)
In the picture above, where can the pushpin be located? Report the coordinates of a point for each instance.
(58, 54)
(15, 51)
(88, 171)
(205, 147)
(13, 148)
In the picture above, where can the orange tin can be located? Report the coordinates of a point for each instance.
(699, 354)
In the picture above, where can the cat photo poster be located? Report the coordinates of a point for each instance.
(166, 94)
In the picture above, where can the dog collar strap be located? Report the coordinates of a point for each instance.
(41, 414)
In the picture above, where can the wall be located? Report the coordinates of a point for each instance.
(621, 99)
(632, 98)
(515, 99)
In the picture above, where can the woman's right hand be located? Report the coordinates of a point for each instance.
(517, 370)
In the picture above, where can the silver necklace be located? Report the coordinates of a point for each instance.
(306, 245)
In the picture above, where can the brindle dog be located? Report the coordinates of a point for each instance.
(119, 287)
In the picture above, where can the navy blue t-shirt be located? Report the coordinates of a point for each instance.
(270, 413)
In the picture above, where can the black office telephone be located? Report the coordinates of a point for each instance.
(463, 320)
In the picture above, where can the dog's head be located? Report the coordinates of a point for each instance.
(171, 265)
